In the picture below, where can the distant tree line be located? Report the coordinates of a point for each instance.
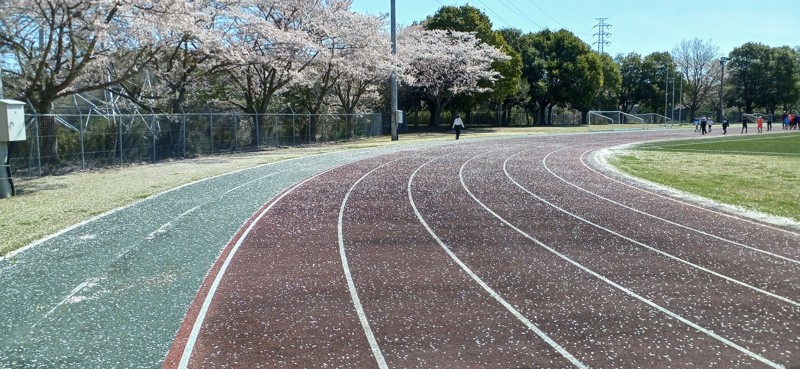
(319, 56)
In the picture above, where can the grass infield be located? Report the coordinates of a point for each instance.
(756, 172)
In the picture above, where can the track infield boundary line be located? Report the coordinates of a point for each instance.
(651, 248)
(603, 160)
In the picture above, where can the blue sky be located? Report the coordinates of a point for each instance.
(643, 26)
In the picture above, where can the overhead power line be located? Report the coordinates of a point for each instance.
(547, 15)
(520, 12)
(495, 14)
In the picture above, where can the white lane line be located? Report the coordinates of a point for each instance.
(483, 284)
(187, 351)
(88, 282)
(150, 236)
(16, 252)
(351, 286)
(723, 141)
(785, 258)
(166, 226)
(686, 203)
(628, 292)
(660, 252)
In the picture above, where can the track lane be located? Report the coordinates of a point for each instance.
(284, 296)
(425, 311)
(430, 311)
(664, 340)
(755, 309)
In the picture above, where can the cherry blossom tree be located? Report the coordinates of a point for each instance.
(184, 67)
(445, 64)
(271, 45)
(354, 55)
(64, 47)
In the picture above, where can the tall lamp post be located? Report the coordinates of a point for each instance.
(722, 62)
(394, 74)
(666, 91)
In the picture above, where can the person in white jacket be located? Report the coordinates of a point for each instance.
(458, 124)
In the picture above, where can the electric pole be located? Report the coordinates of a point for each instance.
(602, 34)
(393, 81)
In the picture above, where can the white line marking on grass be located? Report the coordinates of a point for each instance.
(684, 202)
(628, 292)
(785, 258)
(351, 286)
(192, 340)
(660, 252)
(666, 144)
(732, 152)
(483, 284)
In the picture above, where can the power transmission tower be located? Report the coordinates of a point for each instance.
(602, 34)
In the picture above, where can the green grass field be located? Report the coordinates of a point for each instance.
(784, 144)
(756, 172)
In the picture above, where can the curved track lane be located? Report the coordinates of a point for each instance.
(504, 253)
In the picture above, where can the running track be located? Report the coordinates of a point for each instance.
(515, 253)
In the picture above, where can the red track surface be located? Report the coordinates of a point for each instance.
(497, 254)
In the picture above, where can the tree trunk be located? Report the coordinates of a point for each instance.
(255, 130)
(436, 118)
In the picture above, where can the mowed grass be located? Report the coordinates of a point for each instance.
(755, 172)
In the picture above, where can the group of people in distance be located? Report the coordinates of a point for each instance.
(704, 124)
(790, 121)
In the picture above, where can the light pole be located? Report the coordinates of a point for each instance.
(680, 104)
(394, 74)
(672, 112)
(666, 90)
(722, 62)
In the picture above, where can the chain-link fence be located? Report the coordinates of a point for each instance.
(64, 142)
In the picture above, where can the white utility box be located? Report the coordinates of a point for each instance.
(12, 120)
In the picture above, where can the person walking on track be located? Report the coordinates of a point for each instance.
(744, 124)
(769, 121)
(458, 124)
(703, 123)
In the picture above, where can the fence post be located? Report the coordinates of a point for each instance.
(183, 133)
(308, 123)
(83, 150)
(235, 132)
(294, 132)
(211, 131)
(38, 147)
(121, 149)
(258, 131)
(153, 132)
